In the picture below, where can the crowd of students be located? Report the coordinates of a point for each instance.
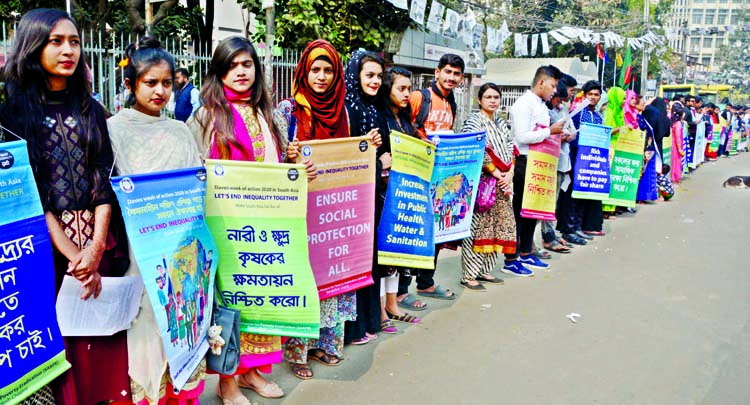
(74, 149)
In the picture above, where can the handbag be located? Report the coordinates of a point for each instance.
(486, 193)
(228, 360)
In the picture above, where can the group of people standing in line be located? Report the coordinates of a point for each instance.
(75, 149)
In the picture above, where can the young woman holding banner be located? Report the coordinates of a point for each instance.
(364, 76)
(236, 123)
(144, 142)
(394, 115)
(493, 231)
(49, 103)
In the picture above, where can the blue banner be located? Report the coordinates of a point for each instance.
(175, 252)
(454, 183)
(406, 229)
(591, 174)
(32, 352)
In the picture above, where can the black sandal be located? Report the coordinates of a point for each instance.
(323, 358)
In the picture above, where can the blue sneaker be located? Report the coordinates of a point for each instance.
(533, 261)
(516, 268)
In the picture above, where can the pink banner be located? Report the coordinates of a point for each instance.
(341, 214)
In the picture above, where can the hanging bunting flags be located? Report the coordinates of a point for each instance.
(534, 44)
(492, 40)
(466, 27)
(399, 4)
(545, 43)
(435, 21)
(417, 11)
(559, 37)
(450, 25)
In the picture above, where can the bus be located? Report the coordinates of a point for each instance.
(668, 91)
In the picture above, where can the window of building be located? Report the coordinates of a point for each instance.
(694, 44)
(722, 17)
(698, 17)
(710, 16)
(708, 42)
(734, 19)
(706, 60)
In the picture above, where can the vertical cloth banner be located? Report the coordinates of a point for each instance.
(341, 214)
(176, 256)
(713, 146)
(454, 183)
(32, 352)
(406, 230)
(700, 145)
(591, 171)
(540, 193)
(666, 146)
(626, 167)
(257, 213)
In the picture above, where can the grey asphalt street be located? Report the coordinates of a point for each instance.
(664, 301)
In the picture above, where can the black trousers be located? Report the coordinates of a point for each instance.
(425, 278)
(565, 213)
(524, 226)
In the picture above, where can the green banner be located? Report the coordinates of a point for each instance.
(626, 167)
(257, 213)
(666, 144)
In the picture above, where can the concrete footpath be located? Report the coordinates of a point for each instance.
(664, 300)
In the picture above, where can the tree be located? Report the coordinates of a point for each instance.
(348, 25)
(734, 57)
(138, 20)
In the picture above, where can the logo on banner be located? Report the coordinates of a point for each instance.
(306, 151)
(429, 151)
(292, 174)
(397, 139)
(479, 137)
(363, 146)
(6, 159)
(219, 170)
(201, 175)
(436, 140)
(126, 185)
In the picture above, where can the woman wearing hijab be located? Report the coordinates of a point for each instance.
(614, 117)
(364, 76)
(647, 187)
(657, 116)
(678, 146)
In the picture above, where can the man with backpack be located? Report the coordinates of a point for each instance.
(433, 110)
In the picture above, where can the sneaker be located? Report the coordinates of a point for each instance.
(515, 267)
(533, 261)
(574, 239)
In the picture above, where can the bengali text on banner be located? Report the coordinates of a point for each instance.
(406, 229)
(32, 352)
(454, 183)
(540, 183)
(257, 213)
(176, 256)
(626, 167)
(591, 171)
(341, 214)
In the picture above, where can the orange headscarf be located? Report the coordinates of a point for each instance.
(319, 115)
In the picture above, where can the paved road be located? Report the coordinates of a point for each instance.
(665, 305)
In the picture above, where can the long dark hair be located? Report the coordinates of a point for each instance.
(383, 100)
(27, 82)
(142, 57)
(215, 101)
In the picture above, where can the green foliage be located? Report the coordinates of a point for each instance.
(348, 25)
(734, 57)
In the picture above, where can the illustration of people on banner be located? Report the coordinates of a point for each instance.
(341, 214)
(406, 229)
(174, 250)
(32, 352)
(257, 213)
(453, 187)
(591, 175)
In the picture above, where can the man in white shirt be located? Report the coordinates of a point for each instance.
(530, 122)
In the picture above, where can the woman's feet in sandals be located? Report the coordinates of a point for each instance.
(557, 247)
(229, 392)
(252, 380)
(302, 371)
(323, 358)
(408, 301)
(402, 316)
(438, 292)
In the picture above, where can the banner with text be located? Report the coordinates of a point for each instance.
(341, 214)
(713, 146)
(591, 171)
(626, 167)
(454, 183)
(406, 229)
(175, 252)
(32, 352)
(540, 193)
(257, 213)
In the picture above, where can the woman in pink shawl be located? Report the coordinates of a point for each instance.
(678, 149)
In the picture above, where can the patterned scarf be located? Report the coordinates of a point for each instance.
(319, 115)
(357, 101)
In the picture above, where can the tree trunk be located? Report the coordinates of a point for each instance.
(133, 8)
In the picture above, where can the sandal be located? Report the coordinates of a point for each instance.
(557, 247)
(361, 341)
(475, 287)
(302, 371)
(323, 358)
(493, 280)
(388, 327)
(542, 254)
(371, 336)
(226, 401)
(594, 233)
(270, 390)
(439, 293)
(405, 318)
(410, 303)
